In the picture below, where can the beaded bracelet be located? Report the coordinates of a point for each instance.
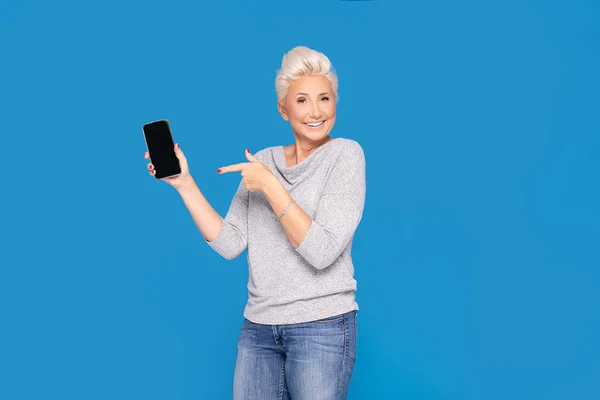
(285, 209)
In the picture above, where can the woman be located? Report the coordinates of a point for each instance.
(296, 211)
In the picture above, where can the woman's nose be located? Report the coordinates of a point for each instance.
(315, 111)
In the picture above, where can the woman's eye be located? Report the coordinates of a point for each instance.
(325, 98)
(301, 100)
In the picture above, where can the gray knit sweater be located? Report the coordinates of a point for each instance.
(315, 280)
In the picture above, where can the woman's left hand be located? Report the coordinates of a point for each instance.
(255, 174)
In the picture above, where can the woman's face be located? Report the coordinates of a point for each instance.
(310, 107)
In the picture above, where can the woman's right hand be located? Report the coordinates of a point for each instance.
(175, 181)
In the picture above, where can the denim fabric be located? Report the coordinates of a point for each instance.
(305, 361)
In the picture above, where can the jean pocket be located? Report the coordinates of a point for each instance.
(331, 320)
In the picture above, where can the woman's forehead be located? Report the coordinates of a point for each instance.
(311, 85)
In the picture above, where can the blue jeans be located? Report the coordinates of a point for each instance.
(305, 361)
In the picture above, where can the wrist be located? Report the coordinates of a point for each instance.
(186, 184)
(271, 186)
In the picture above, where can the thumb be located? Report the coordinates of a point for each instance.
(181, 158)
(250, 157)
(179, 153)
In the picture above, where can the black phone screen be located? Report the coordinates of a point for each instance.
(159, 141)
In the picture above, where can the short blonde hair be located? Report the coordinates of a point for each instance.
(302, 61)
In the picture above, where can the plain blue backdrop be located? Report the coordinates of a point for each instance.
(477, 258)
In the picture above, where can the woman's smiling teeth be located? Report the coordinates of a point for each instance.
(314, 124)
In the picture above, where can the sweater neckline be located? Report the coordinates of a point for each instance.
(282, 164)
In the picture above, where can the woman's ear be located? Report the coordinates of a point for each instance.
(282, 111)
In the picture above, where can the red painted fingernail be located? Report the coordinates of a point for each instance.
(248, 150)
(219, 171)
(177, 145)
(150, 166)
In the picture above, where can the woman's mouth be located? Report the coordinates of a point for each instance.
(314, 125)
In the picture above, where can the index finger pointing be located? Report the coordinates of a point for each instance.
(231, 168)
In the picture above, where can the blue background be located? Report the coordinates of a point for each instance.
(477, 257)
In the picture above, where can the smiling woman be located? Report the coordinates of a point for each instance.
(306, 87)
(298, 338)
(310, 108)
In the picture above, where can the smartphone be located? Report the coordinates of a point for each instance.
(159, 141)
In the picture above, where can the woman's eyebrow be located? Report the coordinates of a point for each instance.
(304, 94)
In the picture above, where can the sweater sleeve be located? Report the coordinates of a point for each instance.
(339, 211)
(233, 238)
